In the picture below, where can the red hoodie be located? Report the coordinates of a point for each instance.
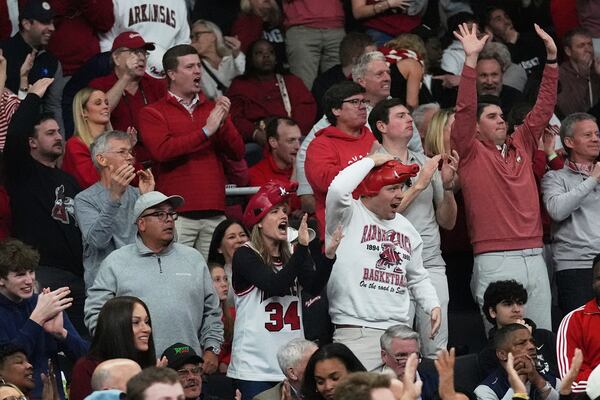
(331, 151)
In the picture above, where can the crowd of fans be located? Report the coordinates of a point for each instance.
(213, 200)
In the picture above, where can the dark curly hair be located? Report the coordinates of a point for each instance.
(499, 291)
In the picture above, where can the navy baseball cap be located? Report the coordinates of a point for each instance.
(37, 10)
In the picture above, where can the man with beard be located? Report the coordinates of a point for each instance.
(489, 82)
(579, 74)
(42, 198)
(105, 210)
(579, 329)
(517, 339)
(162, 273)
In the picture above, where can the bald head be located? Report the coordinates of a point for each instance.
(114, 374)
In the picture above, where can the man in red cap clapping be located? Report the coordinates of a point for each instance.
(379, 258)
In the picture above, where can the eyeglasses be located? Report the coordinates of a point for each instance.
(138, 52)
(123, 153)
(162, 215)
(186, 371)
(403, 357)
(358, 102)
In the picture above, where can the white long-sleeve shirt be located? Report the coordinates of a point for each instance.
(378, 260)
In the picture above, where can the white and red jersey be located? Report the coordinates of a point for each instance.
(264, 322)
(579, 329)
(378, 261)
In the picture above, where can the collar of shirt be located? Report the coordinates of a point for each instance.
(191, 106)
(585, 169)
(502, 149)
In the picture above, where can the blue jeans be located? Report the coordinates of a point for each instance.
(380, 38)
(574, 288)
(249, 389)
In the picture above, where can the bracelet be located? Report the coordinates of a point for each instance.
(552, 61)
(552, 156)
(24, 90)
(523, 396)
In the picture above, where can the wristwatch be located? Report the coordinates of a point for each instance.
(215, 350)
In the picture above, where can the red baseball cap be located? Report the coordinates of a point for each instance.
(131, 40)
(268, 196)
(390, 173)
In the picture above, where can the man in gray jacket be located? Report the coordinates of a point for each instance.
(105, 210)
(572, 199)
(172, 279)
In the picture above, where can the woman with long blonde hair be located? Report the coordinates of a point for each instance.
(91, 115)
(437, 137)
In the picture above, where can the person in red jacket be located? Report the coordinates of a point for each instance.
(78, 24)
(347, 140)
(579, 330)
(283, 138)
(498, 184)
(185, 133)
(262, 93)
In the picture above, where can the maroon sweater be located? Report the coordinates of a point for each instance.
(501, 196)
(187, 163)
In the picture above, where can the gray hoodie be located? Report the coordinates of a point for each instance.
(175, 284)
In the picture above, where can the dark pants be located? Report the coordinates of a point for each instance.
(55, 278)
(574, 288)
(249, 389)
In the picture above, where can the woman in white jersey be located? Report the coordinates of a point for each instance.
(267, 280)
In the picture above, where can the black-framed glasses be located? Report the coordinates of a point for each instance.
(183, 372)
(138, 52)
(403, 357)
(358, 102)
(162, 215)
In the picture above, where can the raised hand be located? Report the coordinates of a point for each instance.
(40, 86)
(133, 135)
(515, 381)
(55, 326)
(567, 381)
(162, 362)
(27, 64)
(449, 168)
(120, 180)
(234, 44)
(412, 386)
(445, 367)
(472, 45)
(146, 183)
(551, 51)
(336, 239)
(303, 236)
(51, 303)
(426, 173)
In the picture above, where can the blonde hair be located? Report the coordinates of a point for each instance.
(258, 244)
(434, 138)
(409, 41)
(222, 50)
(82, 129)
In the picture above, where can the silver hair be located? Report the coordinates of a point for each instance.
(362, 64)
(567, 125)
(100, 144)
(419, 113)
(222, 50)
(496, 51)
(290, 354)
(399, 331)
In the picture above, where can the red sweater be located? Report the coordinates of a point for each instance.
(78, 162)
(253, 100)
(75, 40)
(501, 197)
(81, 379)
(267, 170)
(391, 23)
(579, 330)
(126, 113)
(186, 162)
(331, 151)
(248, 28)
